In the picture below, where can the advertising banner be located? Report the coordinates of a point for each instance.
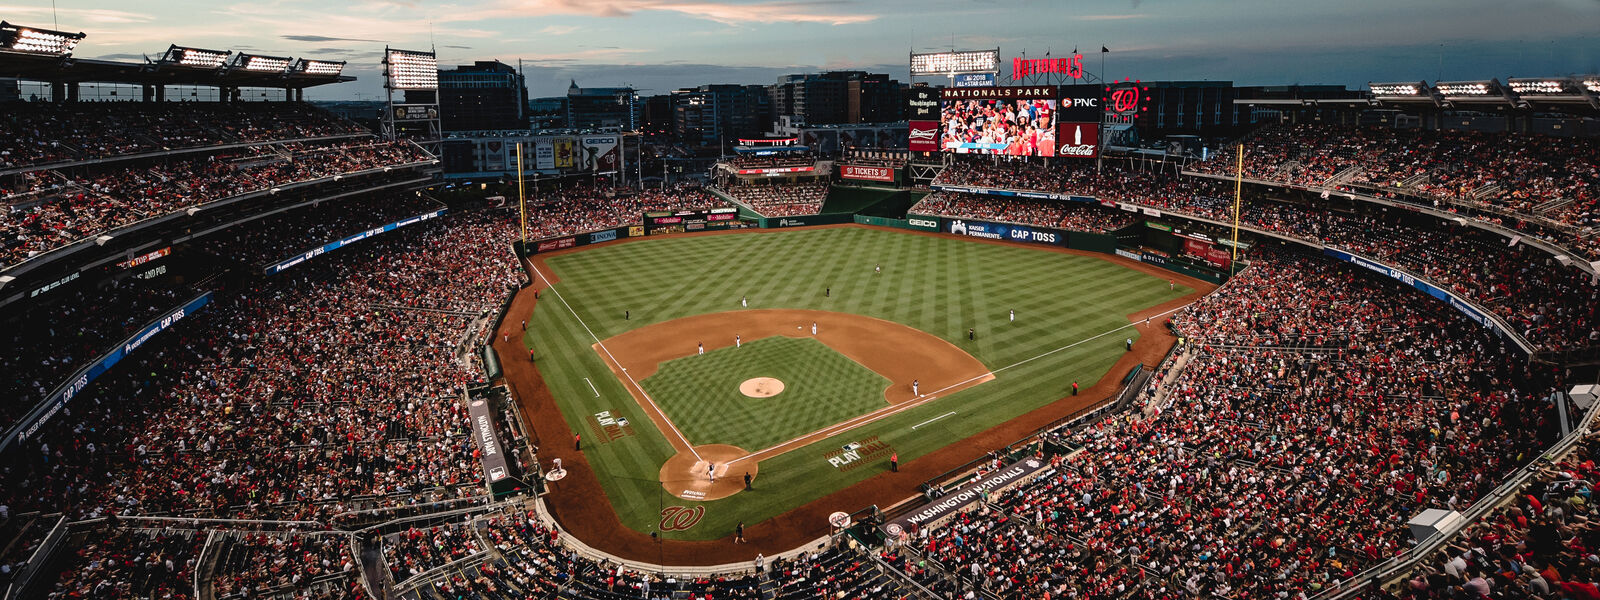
(925, 223)
(64, 393)
(938, 509)
(884, 174)
(924, 136)
(923, 104)
(564, 152)
(1079, 140)
(657, 223)
(494, 156)
(144, 258)
(774, 171)
(287, 263)
(584, 239)
(1082, 103)
(973, 80)
(1005, 231)
(544, 155)
(600, 154)
(415, 112)
(490, 452)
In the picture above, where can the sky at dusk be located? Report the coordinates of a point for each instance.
(661, 45)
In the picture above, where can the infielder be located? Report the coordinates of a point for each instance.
(914, 391)
(702, 347)
(813, 328)
(736, 342)
(744, 301)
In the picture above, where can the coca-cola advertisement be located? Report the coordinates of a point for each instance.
(924, 136)
(1078, 140)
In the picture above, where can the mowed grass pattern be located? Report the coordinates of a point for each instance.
(700, 394)
(1074, 307)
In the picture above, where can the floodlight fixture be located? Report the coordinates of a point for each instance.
(411, 70)
(197, 58)
(318, 67)
(261, 64)
(1468, 88)
(1592, 84)
(1399, 90)
(1546, 86)
(33, 40)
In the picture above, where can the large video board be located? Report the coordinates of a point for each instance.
(1015, 121)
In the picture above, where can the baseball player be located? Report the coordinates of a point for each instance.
(877, 268)
(914, 391)
(813, 328)
(1013, 315)
(736, 342)
(702, 347)
(711, 471)
(744, 301)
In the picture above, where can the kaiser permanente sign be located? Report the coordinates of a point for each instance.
(949, 505)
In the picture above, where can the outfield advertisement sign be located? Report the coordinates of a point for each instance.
(490, 453)
(866, 173)
(933, 512)
(582, 239)
(922, 222)
(988, 191)
(657, 223)
(288, 263)
(1466, 308)
(64, 393)
(1005, 231)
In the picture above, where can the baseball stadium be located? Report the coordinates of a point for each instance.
(991, 325)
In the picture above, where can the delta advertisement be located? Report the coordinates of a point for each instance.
(288, 263)
(64, 393)
(1005, 231)
(924, 136)
(600, 154)
(563, 150)
(864, 173)
(1466, 308)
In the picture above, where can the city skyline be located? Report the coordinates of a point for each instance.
(661, 45)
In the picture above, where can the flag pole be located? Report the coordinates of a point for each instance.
(522, 203)
(1238, 191)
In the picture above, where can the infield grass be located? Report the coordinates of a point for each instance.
(700, 394)
(1073, 307)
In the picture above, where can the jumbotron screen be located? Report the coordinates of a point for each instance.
(1015, 126)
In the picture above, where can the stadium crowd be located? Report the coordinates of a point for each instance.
(256, 564)
(781, 200)
(1074, 216)
(1518, 175)
(582, 208)
(785, 160)
(1540, 545)
(118, 562)
(1320, 408)
(41, 133)
(1542, 299)
(283, 235)
(332, 387)
(86, 204)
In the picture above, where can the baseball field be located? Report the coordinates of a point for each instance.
(806, 359)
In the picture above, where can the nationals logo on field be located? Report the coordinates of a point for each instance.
(681, 518)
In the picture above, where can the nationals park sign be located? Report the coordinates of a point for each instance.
(939, 509)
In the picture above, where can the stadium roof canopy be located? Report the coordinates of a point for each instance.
(65, 69)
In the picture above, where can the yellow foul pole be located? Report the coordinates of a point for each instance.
(1238, 191)
(522, 204)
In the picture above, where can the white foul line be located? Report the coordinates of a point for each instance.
(602, 346)
(844, 426)
(591, 387)
(933, 419)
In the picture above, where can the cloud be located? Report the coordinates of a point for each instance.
(121, 56)
(457, 47)
(721, 11)
(323, 38)
(78, 15)
(1108, 17)
(557, 29)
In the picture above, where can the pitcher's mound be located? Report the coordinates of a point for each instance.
(761, 387)
(685, 475)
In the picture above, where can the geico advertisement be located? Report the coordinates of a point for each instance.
(997, 231)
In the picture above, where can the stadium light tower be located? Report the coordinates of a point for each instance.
(32, 40)
(325, 68)
(194, 58)
(259, 64)
(414, 74)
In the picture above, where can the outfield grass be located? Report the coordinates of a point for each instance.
(1073, 307)
(700, 394)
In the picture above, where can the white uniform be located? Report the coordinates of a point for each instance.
(813, 328)
(737, 343)
(744, 301)
(1013, 315)
(914, 391)
(711, 471)
(702, 348)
